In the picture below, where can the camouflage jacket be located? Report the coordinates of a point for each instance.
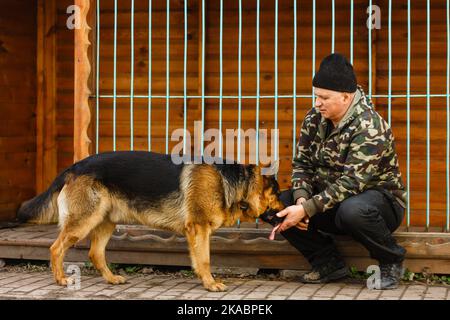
(357, 155)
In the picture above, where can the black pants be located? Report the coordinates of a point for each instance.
(369, 217)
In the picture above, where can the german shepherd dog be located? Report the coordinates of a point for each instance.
(135, 187)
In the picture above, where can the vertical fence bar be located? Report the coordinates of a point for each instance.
(390, 62)
(257, 80)
(239, 90)
(313, 45)
(408, 118)
(239, 83)
(351, 32)
(184, 76)
(132, 79)
(203, 77)
(221, 80)
(257, 90)
(294, 84)
(333, 15)
(167, 72)
(369, 49)
(447, 227)
(149, 108)
(276, 82)
(97, 77)
(115, 77)
(428, 114)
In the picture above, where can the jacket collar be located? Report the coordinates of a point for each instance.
(351, 111)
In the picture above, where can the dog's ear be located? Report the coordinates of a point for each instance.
(264, 165)
(267, 181)
(229, 193)
(254, 170)
(270, 168)
(261, 168)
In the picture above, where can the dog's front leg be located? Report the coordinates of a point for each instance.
(198, 241)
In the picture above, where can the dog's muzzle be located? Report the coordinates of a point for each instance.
(270, 216)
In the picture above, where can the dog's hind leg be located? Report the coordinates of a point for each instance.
(86, 209)
(99, 239)
(70, 235)
(198, 237)
(57, 252)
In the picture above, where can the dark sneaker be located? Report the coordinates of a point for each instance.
(335, 269)
(391, 273)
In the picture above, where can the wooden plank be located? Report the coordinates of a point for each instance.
(81, 90)
(92, 53)
(17, 104)
(46, 95)
(230, 247)
(440, 266)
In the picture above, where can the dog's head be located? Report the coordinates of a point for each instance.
(270, 213)
(270, 200)
(265, 196)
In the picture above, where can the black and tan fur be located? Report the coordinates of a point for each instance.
(93, 195)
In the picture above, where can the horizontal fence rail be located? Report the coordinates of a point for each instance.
(235, 38)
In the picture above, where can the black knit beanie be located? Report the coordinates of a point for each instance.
(335, 73)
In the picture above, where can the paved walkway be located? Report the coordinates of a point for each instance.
(40, 285)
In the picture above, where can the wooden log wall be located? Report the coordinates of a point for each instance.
(65, 84)
(17, 104)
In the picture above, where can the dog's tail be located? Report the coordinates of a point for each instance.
(43, 209)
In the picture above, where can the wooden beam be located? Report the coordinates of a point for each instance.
(230, 247)
(82, 114)
(46, 151)
(92, 21)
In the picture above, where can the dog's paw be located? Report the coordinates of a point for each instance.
(216, 287)
(63, 281)
(116, 280)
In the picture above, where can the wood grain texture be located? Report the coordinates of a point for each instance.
(418, 138)
(82, 114)
(17, 104)
(46, 152)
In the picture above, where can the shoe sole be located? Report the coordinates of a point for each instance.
(336, 275)
(390, 287)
